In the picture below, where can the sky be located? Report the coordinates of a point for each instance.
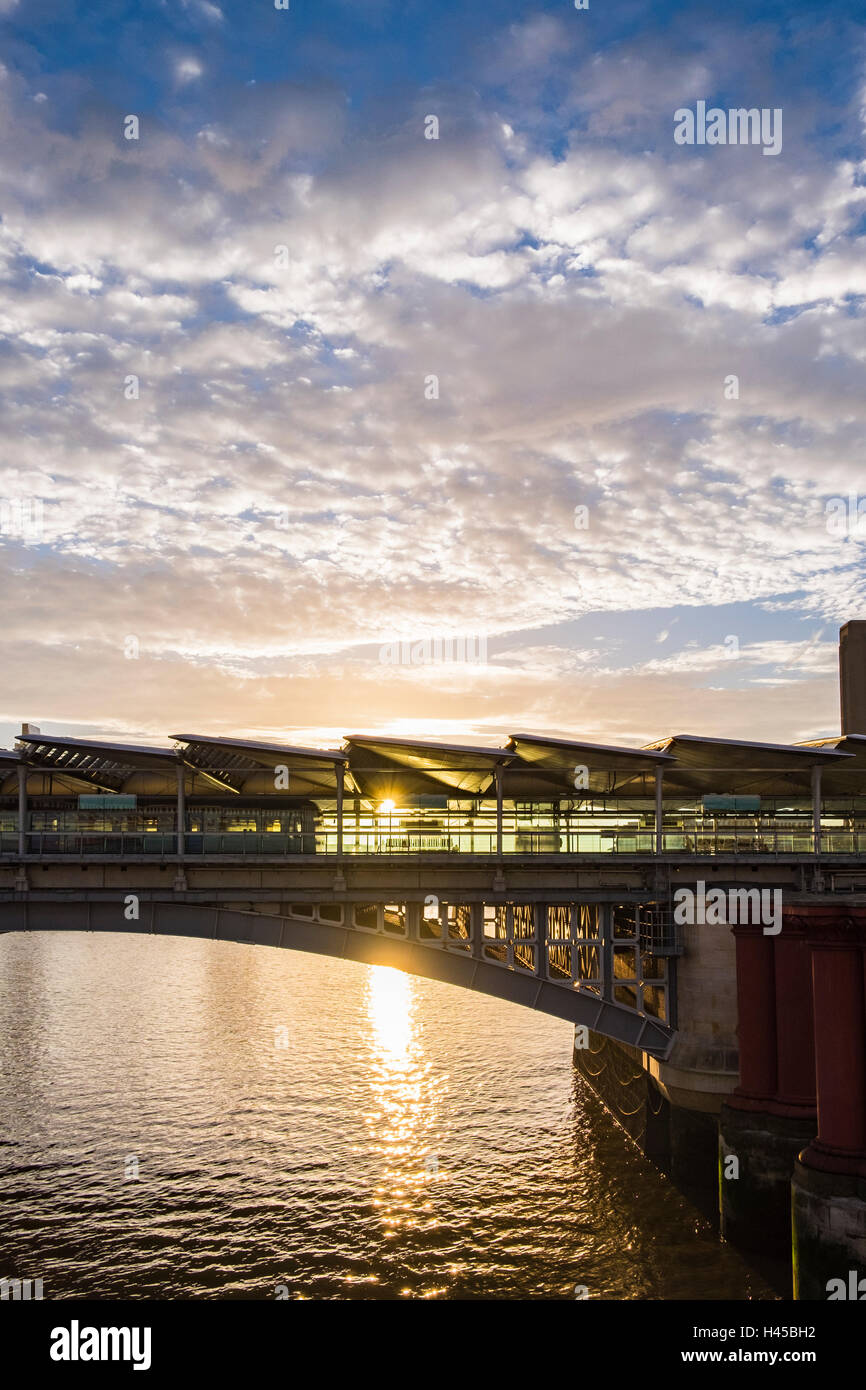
(292, 391)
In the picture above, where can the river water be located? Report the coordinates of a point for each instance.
(198, 1119)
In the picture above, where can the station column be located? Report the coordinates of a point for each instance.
(22, 808)
(180, 884)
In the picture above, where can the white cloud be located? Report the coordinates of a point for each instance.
(284, 490)
(187, 70)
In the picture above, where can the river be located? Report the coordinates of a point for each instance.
(198, 1119)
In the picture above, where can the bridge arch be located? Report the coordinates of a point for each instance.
(428, 960)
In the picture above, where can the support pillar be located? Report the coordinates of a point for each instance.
(840, 1031)
(414, 913)
(476, 917)
(340, 778)
(499, 873)
(605, 942)
(770, 1115)
(541, 940)
(828, 1193)
(660, 811)
(816, 810)
(795, 1030)
(443, 925)
(180, 884)
(22, 883)
(22, 810)
(756, 1018)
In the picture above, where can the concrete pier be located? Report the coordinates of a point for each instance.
(829, 1234)
(671, 1108)
(755, 1188)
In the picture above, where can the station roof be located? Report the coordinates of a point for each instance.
(101, 764)
(852, 744)
(740, 765)
(557, 751)
(9, 760)
(230, 762)
(550, 765)
(386, 767)
(381, 767)
(848, 777)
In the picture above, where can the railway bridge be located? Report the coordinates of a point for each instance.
(547, 872)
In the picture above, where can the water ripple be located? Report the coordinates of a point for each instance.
(198, 1119)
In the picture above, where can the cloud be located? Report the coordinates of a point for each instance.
(286, 280)
(187, 70)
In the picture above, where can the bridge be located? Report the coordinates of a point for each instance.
(543, 872)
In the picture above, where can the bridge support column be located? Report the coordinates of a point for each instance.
(605, 940)
(828, 1194)
(413, 921)
(700, 1071)
(771, 1114)
(795, 1032)
(476, 918)
(541, 940)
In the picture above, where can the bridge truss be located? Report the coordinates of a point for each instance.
(608, 966)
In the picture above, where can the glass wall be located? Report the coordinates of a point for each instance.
(448, 825)
(569, 826)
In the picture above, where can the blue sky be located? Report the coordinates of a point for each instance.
(282, 263)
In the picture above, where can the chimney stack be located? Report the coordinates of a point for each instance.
(852, 677)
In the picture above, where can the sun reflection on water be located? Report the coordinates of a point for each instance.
(390, 1007)
(407, 1092)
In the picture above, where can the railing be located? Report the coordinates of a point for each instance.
(699, 842)
(162, 843)
(761, 840)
